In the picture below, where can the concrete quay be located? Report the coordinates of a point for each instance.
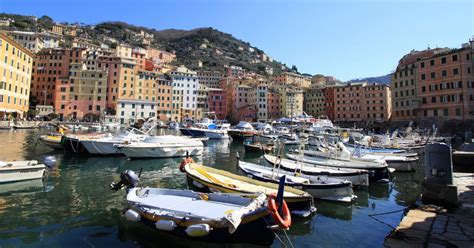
(432, 226)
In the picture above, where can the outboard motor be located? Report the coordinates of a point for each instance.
(128, 178)
(49, 161)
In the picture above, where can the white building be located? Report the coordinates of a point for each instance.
(43, 110)
(185, 86)
(130, 111)
(28, 40)
(50, 40)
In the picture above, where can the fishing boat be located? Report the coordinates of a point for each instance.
(208, 179)
(15, 171)
(162, 147)
(378, 171)
(213, 217)
(242, 131)
(321, 187)
(356, 177)
(107, 143)
(52, 140)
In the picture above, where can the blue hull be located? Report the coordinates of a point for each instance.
(192, 132)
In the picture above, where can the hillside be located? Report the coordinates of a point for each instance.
(213, 48)
(385, 79)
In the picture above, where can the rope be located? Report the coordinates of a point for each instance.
(276, 235)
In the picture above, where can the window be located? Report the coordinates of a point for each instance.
(455, 71)
(435, 112)
(445, 112)
(433, 74)
(443, 60)
(455, 57)
(458, 112)
(432, 62)
(90, 107)
(433, 99)
(422, 64)
(423, 76)
(444, 73)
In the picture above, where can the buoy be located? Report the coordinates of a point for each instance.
(198, 230)
(132, 215)
(166, 225)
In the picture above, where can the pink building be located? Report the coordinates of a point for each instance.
(218, 102)
(273, 105)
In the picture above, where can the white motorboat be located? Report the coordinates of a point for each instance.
(357, 177)
(20, 171)
(106, 144)
(321, 187)
(163, 147)
(217, 131)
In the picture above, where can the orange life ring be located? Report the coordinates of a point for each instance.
(184, 162)
(282, 221)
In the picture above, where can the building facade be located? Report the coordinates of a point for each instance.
(314, 102)
(218, 102)
(209, 78)
(15, 77)
(184, 101)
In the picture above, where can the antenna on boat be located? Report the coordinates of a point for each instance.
(140, 172)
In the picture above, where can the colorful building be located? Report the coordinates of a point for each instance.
(295, 79)
(446, 85)
(164, 96)
(218, 102)
(209, 78)
(314, 102)
(184, 100)
(82, 95)
(16, 66)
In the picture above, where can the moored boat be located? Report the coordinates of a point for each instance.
(242, 131)
(321, 187)
(163, 147)
(213, 217)
(107, 143)
(357, 177)
(15, 171)
(52, 141)
(208, 179)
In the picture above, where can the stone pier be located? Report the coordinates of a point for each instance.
(430, 226)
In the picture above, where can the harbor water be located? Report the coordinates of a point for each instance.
(73, 205)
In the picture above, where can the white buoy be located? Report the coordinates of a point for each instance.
(132, 215)
(198, 230)
(165, 225)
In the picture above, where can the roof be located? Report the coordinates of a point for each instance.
(16, 44)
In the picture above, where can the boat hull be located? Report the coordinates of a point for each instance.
(23, 174)
(101, 147)
(51, 142)
(164, 152)
(74, 145)
(240, 135)
(192, 132)
(216, 135)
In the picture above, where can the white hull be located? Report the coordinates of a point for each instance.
(342, 194)
(405, 166)
(101, 147)
(216, 135)
(21, 171)
(161, 152)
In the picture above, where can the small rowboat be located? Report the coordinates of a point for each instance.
(321, 187)
(208, 179)
(20, 171)
(212, 217)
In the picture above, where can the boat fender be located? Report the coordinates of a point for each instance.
(284, 220)
(198, 230)
(165, 225)
(132, 215)
(185, 162)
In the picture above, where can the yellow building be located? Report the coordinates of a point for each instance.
(291, 100)
(15, 76)
(293, 79)
(57, 29)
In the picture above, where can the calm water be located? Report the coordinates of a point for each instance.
(74, 207)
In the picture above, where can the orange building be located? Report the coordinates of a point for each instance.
(164, 97)
(446, 85)
(48, 67)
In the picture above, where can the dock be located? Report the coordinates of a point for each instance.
(431, 226)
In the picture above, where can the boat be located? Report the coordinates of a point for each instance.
(356, 177)
(378, 171)
(258, 147)
(213, 217)
(242, 131)
(52, 140)
(173, 125)
(21, 125)
(107, 143)
(217, 131)
(15, 171)
(340, 152)
(163, 147)
(72, 142)
(320, 187)
(96, 127)
(207, 179)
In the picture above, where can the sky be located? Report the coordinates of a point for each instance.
(342, 38)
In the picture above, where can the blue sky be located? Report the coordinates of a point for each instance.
(343, 38)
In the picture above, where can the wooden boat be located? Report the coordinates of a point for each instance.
(214, 217)
(20, 171)
(208, 179)
(321, 187)
(258, 147)
(377, 171)
(357, 177)
(52, 140)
